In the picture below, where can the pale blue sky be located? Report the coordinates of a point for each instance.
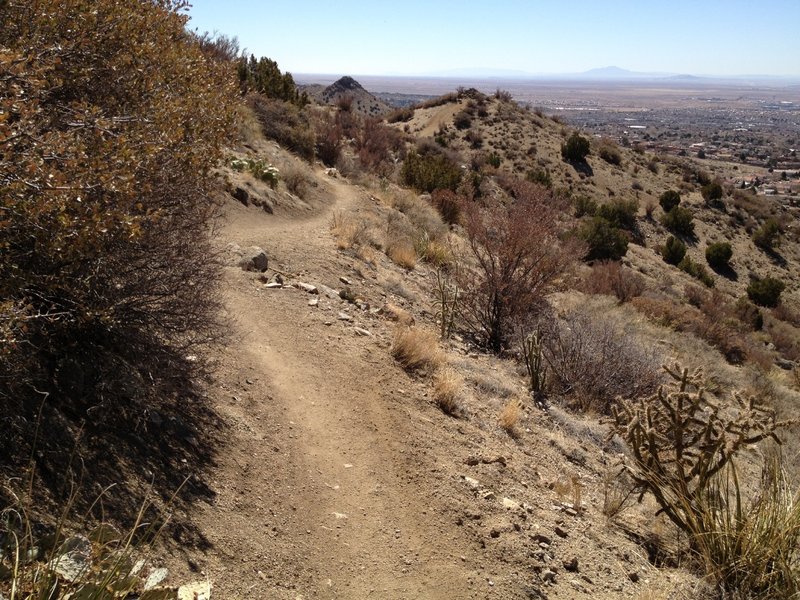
(715, 37)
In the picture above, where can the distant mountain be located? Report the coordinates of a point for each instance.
(619, 73)
(363, 102)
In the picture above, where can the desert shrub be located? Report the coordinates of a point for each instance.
(696, 270)
(669, 200)
(285, 123)
(609, 277)
(400, 115)
(494, 160)
(609, 152)
(576, 148)
(749, 314)
(328, 139)
(719, 254)
(375, 143)
(401, 252)
(475, 139)
(620, 212)
(679, 220)
(584, 206)
(462, 120)
(417, 349)
(673, 251)
(592, 361)
(509, 417)
(603, 240)
(448, 203)
(516, 253)
(682, 451)
(112, 120)
(711, 192)
(767, 236)
(430, 171)
(540, 176)
(766, 291)
(785, 337)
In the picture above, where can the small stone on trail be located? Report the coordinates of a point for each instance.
(571, 565)
(345, 317)
(313, 302)
(306, 287)
(274, 285)
(361, 332)
(560, 532)
(345, 280)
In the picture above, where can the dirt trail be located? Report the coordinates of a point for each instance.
(319, 491)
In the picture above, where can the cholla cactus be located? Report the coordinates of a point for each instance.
(680, 440)
(534, 363)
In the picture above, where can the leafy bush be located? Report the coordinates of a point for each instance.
(766, 291)
(576, 149)
(540, 176)
(673, 251)
(430, 171)
(462, 120)
(584, 205)
(669, 200)
(749, 313)
(619, 212)
(285, 123)
(112, 120)
(609, 152)
(696, 270)
(517, 254)
(679, 220)
(719, 254)
(767, 237)
(711, 192)
(604, 241)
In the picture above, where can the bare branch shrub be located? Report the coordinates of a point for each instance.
(593, 361)
(611, 278)
(517, 254)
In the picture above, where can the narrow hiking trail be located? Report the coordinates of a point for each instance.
(324, 488)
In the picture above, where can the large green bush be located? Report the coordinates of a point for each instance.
(719, 254)
(766, 291)
(669, 200)
(673, 251)
(767, 237)
(711, 192)
(619, 212)
(604, 240)
(679, 220)
(576, 148)
(430, 171)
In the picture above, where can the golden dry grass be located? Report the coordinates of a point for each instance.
(348, 230)
(417, 349)
(510, 415)
(402, 253)
(447, 385)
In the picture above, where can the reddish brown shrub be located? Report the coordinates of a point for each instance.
(448, 203)
(517, 254)
(375, 144)
(611, 278)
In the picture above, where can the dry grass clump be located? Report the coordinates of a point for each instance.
(510, 415)
(417, 349)
(349, 230)
(296, 179)
(433, 252)
(447, 387)
(402, 253)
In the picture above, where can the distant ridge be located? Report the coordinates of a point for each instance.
(363, 102)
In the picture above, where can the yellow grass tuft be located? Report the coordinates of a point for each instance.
(402, 253)
(447, 390)
(348, 230)
(510, 416)
(417, 349)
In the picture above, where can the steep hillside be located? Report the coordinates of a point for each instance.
(348, 89)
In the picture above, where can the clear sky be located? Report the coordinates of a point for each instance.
(699, 37)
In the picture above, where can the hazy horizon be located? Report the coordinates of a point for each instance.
(712, 38)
